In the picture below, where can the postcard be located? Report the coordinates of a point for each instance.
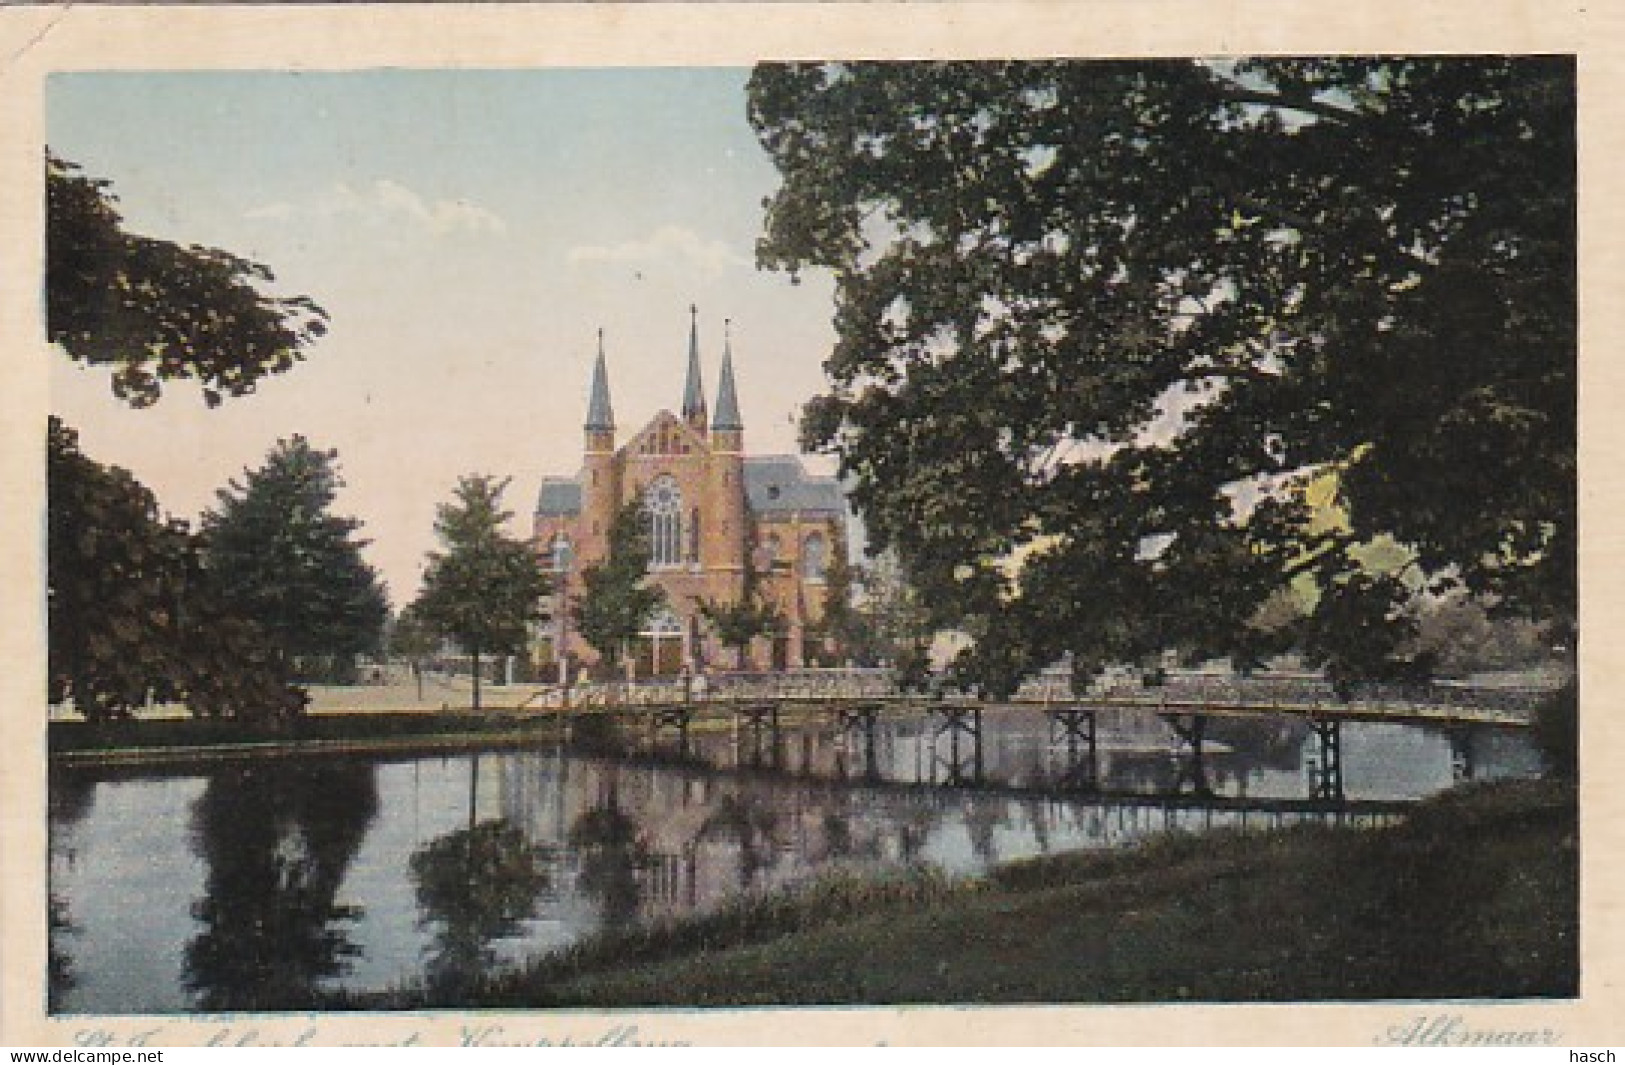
(1056, 523)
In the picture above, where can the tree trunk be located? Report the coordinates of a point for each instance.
(476, 679)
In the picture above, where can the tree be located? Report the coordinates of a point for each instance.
(1465, 638)
(887, 624)
(116, 576)
(282, 558)
(739, 622)
(413, 638)
(1100, 323)
(133, 616)
(616, 600)
(486, 587)
(158, 311)
(133, 613)
(839, 624)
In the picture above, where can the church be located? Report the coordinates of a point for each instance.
(719, 521)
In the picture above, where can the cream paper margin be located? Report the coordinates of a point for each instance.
(36, 41)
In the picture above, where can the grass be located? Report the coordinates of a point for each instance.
(66, 737)
(590, 732)
(1474, 896)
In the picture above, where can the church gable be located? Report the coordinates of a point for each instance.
(666, 435)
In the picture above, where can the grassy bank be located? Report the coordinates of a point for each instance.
(178, 737)
(1475, 896)
(171, 739)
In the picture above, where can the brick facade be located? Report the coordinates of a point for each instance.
(716, 516)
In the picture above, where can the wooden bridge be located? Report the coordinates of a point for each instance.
(856, 703)
(1291, 696)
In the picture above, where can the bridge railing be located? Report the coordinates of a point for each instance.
(835, 684)
(1295, 692)
(1513, 702)
(805, 684)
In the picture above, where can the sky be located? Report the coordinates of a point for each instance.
(469, 232)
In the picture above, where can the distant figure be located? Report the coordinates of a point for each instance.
(698, 685)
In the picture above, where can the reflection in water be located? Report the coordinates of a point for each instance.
(751, 829)
(59, 963)
(914, 829)
(1034, 809)
(474, 885)
(276, 839)
(70, 799)
(983, 818)
(314, 875)
(611, 852)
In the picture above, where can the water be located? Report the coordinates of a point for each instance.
(258, 886)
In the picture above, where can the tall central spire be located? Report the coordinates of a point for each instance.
(693, 391)
(600, 416)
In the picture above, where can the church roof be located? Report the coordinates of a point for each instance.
(774, 484)
(780, 483)
(560, 496)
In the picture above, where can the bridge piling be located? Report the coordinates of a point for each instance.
(676, 718)
(1326, 767)
(1463, 760)
(962, 724)
(1076, 728)
(863, 719)
(1190, 762)
(758, 721)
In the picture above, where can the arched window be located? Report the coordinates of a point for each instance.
(664, 503)
(694, 537)
(814, 555)
(563, 554)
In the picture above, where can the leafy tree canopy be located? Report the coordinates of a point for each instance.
(616, 599)
(485, 588)
(158, 311)
(411, 637)
(278, 553)
(738, 622)
(116, 576)
(887, 624)
(1100, 322)
(134, 615)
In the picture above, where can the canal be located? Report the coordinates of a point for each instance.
(264, 884)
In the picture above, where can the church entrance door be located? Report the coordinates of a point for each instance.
(660, 647)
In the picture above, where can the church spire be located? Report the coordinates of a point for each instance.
(693, 391)
(600, 417)
(727, 397)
